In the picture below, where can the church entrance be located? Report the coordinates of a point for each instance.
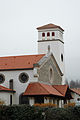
(23, 99)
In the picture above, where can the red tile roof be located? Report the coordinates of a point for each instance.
(19, 62)
(2, 88)
(61, 88)
(76, 90)
(42, 89)
(49, 26)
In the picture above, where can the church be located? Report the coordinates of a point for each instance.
(40, 78)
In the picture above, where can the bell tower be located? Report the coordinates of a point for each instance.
(51, 35)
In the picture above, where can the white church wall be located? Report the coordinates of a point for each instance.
(18, 86)
(5, 97)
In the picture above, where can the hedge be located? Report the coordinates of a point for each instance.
(24, 112)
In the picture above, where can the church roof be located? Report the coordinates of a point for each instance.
(44, 89)
(5, 89)
(19, 62)
(61, 88)
(49, 26)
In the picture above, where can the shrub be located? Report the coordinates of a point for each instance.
(24, 112)
(69, 105)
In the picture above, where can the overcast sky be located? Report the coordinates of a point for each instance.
(20, 18)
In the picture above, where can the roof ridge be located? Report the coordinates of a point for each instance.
(58, 90)
(20, 56)
(50, 86)
(44, 88)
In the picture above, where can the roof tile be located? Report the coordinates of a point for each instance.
(2, 88)
(41, 89)
(19, 62)
(49, 26)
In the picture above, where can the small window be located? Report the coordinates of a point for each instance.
(11, 84)
(48, 34)
(23, 77)
(53, 34)
(10, 99)
(62, 57)
(43, 34)
(2, 78)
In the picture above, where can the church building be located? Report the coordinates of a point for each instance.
(40, 78)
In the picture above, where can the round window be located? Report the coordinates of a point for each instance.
(23, 77)
(62, 57)
(2, 78)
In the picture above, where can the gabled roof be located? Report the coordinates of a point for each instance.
(49, 26)
(44, 58)
(76, 90)
(61, 88)
(37, 88)
(19, 62)
(5, 89)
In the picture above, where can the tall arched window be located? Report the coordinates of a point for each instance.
(48, 34)
(50, 74)
(43, 34)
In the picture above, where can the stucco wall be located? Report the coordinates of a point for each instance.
(44, 73)
(5, 97)
(18, 86)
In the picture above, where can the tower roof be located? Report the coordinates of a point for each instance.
(49, 26)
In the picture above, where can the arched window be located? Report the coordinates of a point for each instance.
(43, 34)
(23, 99)
(53, 34)
(62, 57)
(11, 84)
(48, 34)
(50, 74)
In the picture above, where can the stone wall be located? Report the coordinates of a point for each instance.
(44, 73)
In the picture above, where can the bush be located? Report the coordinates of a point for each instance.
(24, 112)
(69, 105)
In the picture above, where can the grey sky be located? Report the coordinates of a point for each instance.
(18, 22)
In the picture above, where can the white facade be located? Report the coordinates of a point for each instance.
(17, 85)
(5, 97)
(56, 46)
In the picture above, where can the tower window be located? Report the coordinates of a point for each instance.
(53, 34)
(48, 34)
(62, 57)
(43, 34)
